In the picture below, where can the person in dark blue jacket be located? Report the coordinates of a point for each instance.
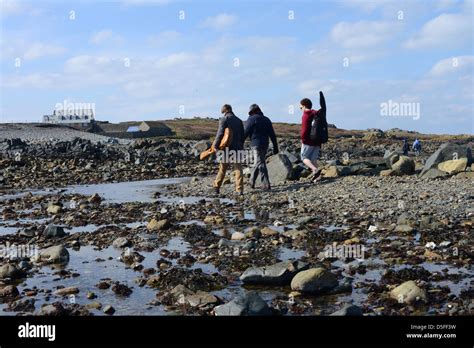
(259, 129)
(406, 147)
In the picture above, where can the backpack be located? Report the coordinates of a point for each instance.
(319, 128)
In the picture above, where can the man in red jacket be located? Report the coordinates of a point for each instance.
(309, 149)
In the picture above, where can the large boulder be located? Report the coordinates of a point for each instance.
(404, 166)
(280, 273)
(447, 152)
(434, 173)
(453, 166)
(200, 146)
(10, 271)
(314, 280)
(391, 157)
(53, 231)
(54, 254)
(248, 304)
(408, 292)
(279, 169)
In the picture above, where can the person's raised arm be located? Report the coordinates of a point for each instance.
(322, 102)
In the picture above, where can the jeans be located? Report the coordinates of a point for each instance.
(260, 166)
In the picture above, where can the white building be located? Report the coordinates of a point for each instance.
(73, 117)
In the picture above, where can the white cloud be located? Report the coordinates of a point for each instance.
(38, 49)
(219, 22)
(363, 34)
(175, 59)
(13, 47)
(453, 66)
(105, 35)
(446, 30)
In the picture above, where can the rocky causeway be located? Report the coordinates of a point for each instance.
(98, 226)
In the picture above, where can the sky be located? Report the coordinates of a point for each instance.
(137, 60)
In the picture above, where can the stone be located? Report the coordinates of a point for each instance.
(390, 158)
(201, 299)
(199, 147)
(51, 310)
(155, 225)
(432, 256)
(109, 310)
(314, 280)
(291, 157)
(67, 291)
(344, 170)
(237, 236)
(95, 199)
(11, 271)
(244, 305)
(404, 219)
(453, 166)
(294, 234)
(94, 305)
(279, 169)
(54, 209)
(404, 228)
(330, 172)
(253, 233)
(121, 242)
(54, 254)
(404, 166)
(8, 292)
(52, 231)
(280, 273)
(434, 173)
(408, 292)
(447, 152)
(213, 219)
(268, 232)
(465, 175)
(348, 310)
(387, 172)
(22, 305)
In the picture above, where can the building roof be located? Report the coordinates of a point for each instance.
(133, 129)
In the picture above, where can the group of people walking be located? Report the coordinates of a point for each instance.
(259, 129)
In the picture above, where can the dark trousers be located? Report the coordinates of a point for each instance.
(260, 166)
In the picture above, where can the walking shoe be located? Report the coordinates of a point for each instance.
(315, 175)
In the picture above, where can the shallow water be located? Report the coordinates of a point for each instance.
(83, 261)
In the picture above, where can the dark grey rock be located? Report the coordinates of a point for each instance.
(280, 273)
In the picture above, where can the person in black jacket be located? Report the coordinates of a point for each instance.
(259, 129)
(236, 126)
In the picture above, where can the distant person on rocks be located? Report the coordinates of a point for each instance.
(259, 129)
(236, 127)
(417, 147)
(406, 147)
(310, 149)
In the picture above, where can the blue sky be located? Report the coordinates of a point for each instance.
(360, 53)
